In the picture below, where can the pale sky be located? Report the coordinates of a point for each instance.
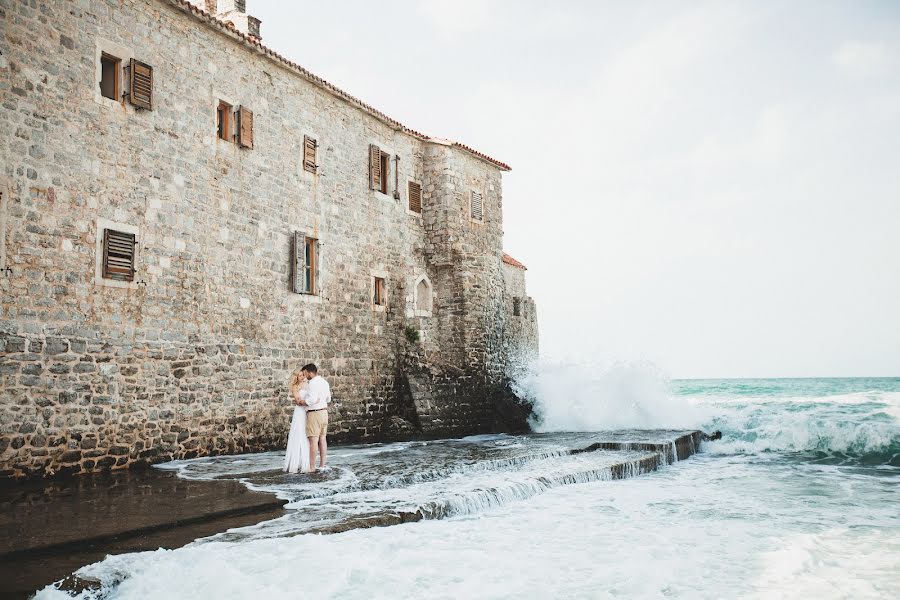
(710, 186)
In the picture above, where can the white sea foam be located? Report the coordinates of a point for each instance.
(603, 396)
(710, 527)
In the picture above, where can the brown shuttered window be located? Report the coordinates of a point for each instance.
(309, 154)
(141, 91)
(415, 197)
(118, 255)
(477, 207)
(376, 178)
(244, 127)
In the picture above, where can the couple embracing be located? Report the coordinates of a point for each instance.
(310, 395)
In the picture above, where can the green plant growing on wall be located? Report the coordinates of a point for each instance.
(411, 333)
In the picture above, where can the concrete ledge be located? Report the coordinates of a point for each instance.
(56, 515)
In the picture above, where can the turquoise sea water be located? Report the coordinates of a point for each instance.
(839, 420)
(799, 499)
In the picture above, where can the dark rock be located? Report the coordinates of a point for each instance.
(56, 346)
(70, 456)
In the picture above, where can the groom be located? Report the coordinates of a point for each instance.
(315, 396)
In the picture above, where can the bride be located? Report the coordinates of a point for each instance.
(297, 456)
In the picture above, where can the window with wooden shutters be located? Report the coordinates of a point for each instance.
(309, 154)
(118, 255)
(304, 264)
(140, 92)
(415, 197)
(375, 175)
(110, 69)
(379, 296)
(477, 206)
(244, 127)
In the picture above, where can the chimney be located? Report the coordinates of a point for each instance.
(235, 12)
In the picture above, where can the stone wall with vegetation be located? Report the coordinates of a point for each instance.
(192, 358)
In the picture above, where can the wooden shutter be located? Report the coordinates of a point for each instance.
(477, 206)
(140, 93)
(298, 262)
(309, 154)
(245, 127)
(118, 255)
(415, 197)
(374, 167)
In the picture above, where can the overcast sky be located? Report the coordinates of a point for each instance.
(710, 186)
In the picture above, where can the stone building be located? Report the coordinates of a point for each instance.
(186, 216)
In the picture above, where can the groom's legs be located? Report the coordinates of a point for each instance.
(323, 450)
(313, 442)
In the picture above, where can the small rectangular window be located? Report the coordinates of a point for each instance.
(309, 154)
(415, 197)
(477, 207)
(118, 255)
(110, 69)
(304, 264)
(379, 298)
(223, 121)
(517, 307)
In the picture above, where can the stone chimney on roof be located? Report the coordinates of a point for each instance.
(234, 12)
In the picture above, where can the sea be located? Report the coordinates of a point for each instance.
(800, 498)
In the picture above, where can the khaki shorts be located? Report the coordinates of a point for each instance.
(316, 423)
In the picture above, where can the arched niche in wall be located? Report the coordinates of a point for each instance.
(423, 296)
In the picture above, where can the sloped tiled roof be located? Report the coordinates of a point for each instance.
(513, 262)
(254, 42)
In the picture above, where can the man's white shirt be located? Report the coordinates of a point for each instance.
(317, 394)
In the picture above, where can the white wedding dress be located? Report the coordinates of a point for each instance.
(297, 456)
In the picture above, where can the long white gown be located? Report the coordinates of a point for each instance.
(297, 456)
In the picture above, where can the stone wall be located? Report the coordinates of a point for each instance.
(193, 357)
(522, 340)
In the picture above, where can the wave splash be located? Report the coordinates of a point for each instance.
(572, 396)
(866, 432)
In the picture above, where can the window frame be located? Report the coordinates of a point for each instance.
(101, 226)
(107, 57)
(385, 160)
(226, 128)
(123, 56)
(310, 266)
(379, 297)
(409, 184)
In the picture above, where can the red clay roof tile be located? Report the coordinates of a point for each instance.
(513, 262)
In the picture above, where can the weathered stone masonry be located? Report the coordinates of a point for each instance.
(192, 357)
